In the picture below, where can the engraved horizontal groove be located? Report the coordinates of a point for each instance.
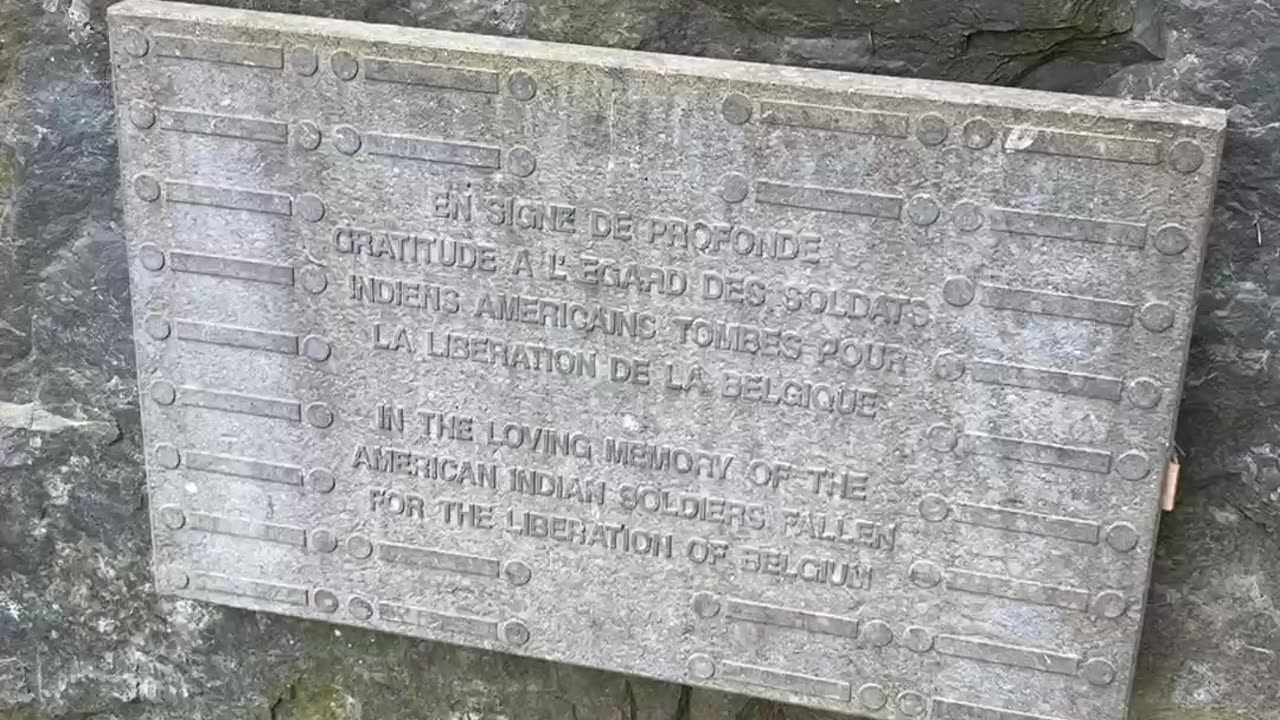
(449, 77)
(239, 527)
(248, 587)
(755, 612)
(1110, 312)
(987, 651)
(228, 198)
(436, 620)
(1116, 148)
(434, 150)
(1037, 378)
(233, 336)
(1022, 521)
(1038, 453)
(438, 559)
(242, 467)
(231, 126)
(784, 680)
(1015, 589)
(811, 197)
(944, 709)
(836, 119)
(230, 267)
(218, 51)
(1068, 227)
(238, 403)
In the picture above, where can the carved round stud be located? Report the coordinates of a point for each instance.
(918, 639)
(323, 541)
(163, 392)
(943, 438)
(706, 605)
(344, 65)
(967, 216)
(346, 139)
(515, 632)
(1122, 537)
(912, 704)
(931, 129)
(150, 257)
(872, 696)
(957, 290)
(325, 601)
(1144, 393)
(948, 365)
(320, 480)
(303, 60)
(359, 547)
(177, 580)
(1172, 240)
(1156, 316)
(877, 633)
(307, 136)
(736, 109)
(147, 188)
(172, 517)
(314, 280)
(1098, 671)
(135, 43)
(157, 327)
(1185, 156)
(922, 210)
(934, 508)
(700, 667)
(978, 133)
(359, 608)
(316, 348)
(1133, 465)
(521, 162)
(142, 115)
(517, 573)
(310, 207)
(522, 86)
(733, 187)
(1108, 604)
(925, 574)
(167, 456)
(319, 415)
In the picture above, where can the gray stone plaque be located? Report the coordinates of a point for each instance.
(847, 391)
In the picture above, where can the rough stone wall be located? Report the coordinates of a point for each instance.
(82, 633)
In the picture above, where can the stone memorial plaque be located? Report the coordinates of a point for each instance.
(846, 391)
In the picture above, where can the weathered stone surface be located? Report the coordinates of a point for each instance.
(75, 603)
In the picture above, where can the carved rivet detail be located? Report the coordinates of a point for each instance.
(1108, 604)
(359, 608)
(877, 633)
(307, 135)
(1122, 537)
(142, 115)
(313, 280)
(872, 696)
(700, 667)
(706, 605)
(310, 207)
(912, 704)
(172, 517)
(736, 108)
(978, 133)
(934, 508)
(1098, 671)
(931, 129)
(344, 65)
(1186, 157)
(1133, 465)
(521, 162)
(733, 187)
(147, 188)
(917, 639)
(163, 392)
(167, 456)
(925, 574)
(135, 43)
(943, 438)
(1172, 240)
(967, 216)
(323, 540)
(948, 365)
(522, 86)
(515, 632)
(177, 580)
(922, 210)
(320, 480)
(346, 139)
(150, 257)
(957, 290)
(1156, 316)
(517, 573)
(325, 601)
(316, 349)
(359, 547)
(303, 60)
(157, 327)
(319, 415)
(1144, 393)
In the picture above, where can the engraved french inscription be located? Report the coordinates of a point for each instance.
(830, 389)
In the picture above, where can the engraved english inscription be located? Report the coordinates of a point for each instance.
(843, 391)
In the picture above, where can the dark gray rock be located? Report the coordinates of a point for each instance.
(81, 630)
